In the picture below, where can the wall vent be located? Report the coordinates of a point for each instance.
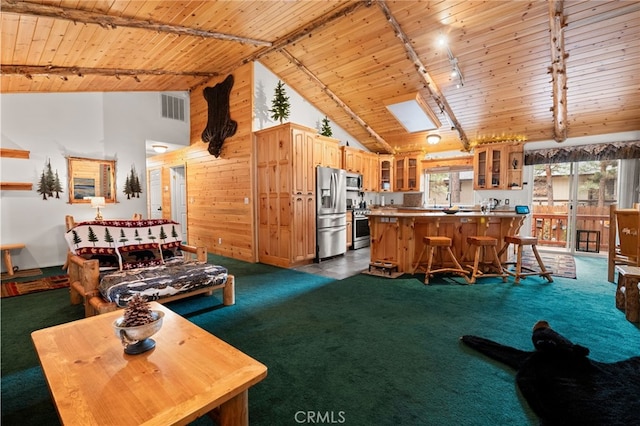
(172, 107)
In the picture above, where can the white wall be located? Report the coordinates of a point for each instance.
(301, 111)
(53, 126)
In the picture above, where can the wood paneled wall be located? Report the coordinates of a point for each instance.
(217, 187)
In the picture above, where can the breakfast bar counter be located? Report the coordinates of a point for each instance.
(396, 234)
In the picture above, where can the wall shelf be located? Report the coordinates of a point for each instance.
(16, 186)
(14, 153)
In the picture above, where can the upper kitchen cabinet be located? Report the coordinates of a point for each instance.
(363, 162)
(326, 152)
(515, 166)
(407, 173)
(370, 172)
(498, 166)
(352, 159)
(386, 173)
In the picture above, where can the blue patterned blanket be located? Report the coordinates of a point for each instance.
(157, 282)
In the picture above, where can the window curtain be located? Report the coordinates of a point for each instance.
(629, 183)
(595, 152)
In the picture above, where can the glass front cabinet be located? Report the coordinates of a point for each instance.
(498, 166)
(386, 173)
(407, 173)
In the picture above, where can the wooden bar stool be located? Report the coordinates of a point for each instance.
(430, 245)
(520, 242)
(481, 267)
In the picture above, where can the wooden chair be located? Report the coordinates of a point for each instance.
(431, 244)
(624, 241)
(519, 242)
(479, 265)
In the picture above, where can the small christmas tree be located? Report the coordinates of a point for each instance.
(137, 312)
(280, 104)
(326, 128)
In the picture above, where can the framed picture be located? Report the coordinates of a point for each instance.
(91, 178)
(84, 187)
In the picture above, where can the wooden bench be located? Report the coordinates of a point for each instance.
(6, 252)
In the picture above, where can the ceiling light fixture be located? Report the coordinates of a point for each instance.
(433, 139)
(455, 69)
(159, 148)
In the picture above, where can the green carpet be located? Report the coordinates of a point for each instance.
(366, 350)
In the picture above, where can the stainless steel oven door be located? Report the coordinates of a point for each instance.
(361, 234)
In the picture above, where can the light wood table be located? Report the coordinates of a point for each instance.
(188, 374)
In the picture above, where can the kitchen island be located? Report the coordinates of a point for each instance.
(396, 234)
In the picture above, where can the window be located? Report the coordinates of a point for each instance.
(172, 107)
(455, 187)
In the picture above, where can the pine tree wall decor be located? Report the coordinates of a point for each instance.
(280, 105)
(49, 183)
(326, 128)
(132, 186)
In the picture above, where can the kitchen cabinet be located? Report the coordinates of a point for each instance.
(352, 159)
(370, 171)
(365, 163)
(304, 217)
(515, 166)
(386, 173)
(330, 152)
(407, 173)
(493, 166)
(286, 160)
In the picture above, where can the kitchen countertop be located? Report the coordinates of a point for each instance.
(422, 213)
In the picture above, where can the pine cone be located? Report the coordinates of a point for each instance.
(137, 312)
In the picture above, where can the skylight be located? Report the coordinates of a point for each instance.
(413, 113)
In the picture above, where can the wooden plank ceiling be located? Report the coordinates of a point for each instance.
(532, 70)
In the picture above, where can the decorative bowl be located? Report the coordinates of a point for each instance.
(449, 211)
(136, 340)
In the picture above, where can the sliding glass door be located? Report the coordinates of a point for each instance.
(571, 205)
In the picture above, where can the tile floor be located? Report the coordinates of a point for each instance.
(351, 263)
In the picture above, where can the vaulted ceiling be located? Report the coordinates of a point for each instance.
(528, 70)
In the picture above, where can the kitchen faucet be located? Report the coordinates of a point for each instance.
(449, 198)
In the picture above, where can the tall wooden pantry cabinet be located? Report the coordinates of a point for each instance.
(287, 156)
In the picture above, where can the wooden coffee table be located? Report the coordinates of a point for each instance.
(188, 374)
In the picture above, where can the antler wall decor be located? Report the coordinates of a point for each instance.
(219, 123)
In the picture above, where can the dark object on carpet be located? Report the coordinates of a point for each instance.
(563, 386)
(560, 265)
(20, 273)
(18, 288)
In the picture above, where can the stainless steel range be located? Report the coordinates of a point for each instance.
(361, 235)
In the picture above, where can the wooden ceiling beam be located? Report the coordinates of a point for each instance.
(558, 69)
(337, 100)
(110, 21)
(431, 85)
(280, 45)
(31, 70)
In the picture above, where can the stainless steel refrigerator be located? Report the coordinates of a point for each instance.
(331, 215)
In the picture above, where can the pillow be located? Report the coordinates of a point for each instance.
(94, 241)
(140, 255)
(108, 258)
(171, 252)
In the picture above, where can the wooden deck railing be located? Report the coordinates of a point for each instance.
(550, 224)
